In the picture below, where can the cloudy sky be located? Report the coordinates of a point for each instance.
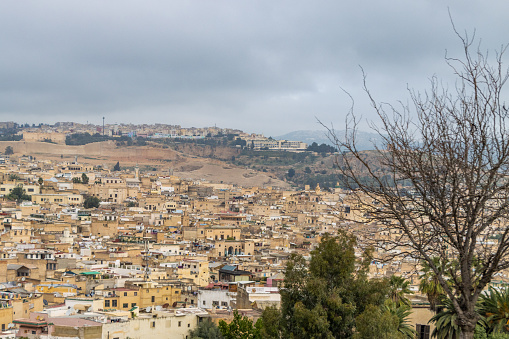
(261, 66)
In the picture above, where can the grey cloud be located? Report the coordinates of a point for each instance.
(261, 66)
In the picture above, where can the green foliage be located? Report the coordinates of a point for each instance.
(40, 181)
(76, 180)
(377, 323)
(117, 166)
(241, 327)
(480, 333)
(91, 202)
(323, 299)
(446, 322)
(13, 177)
(271, 321)
(84, 138)
(494, 306)
(9, 150)
(84, 178)
(323, 148)
(18, 194)
(399, 288)
(131, 204)
(402, 313)
(206, 330)
(429, 283)
(291, 173)
(498, 336)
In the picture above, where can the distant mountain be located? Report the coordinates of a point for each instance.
(365, 140)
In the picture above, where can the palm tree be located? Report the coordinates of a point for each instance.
(494, 306)
(399, 288)
(402, 313)
(446, 324)
(430, 284)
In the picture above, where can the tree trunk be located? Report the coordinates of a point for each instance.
(467, 334)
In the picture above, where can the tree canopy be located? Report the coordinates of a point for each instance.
(322, 299)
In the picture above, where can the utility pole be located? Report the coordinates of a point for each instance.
(103, 126)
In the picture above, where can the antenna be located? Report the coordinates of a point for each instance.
(103, 126)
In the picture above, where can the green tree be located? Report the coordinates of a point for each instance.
(91, 202)
(40, 181)
(402, 313)
(117, 166)
(307, 170)
(206, 330)
(76, 180)
(377, 323)
(271, 323)
(322, 300)
(84, 178)
(9, 150)
(13, 177)
(241, 327)
(399, 288)
(291, 173)
(430, 284)
(494, 306)
(446, 322)
(18, 194)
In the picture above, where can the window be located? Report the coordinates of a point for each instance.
(133, 305)
(153, 324)
(125, 294)
(203, 302)
(135, 294)
(180, 323)
(153, 298)
(114, 303)
(125, 305)
(188, 325)
(106, 303)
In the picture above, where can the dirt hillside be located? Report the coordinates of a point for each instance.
(164, 159)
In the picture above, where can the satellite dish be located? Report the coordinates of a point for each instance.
(23, 279)
(19, 284)
(148, 309)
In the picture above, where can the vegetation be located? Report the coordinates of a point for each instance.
(84, 178)
(9, 150)
(241, 327)
(430, 283)
(116, 167)
(454, 155)
(91, 202)
(323, 299)
(399, 288)
(84, 138)
(376, 323)
(323, 148)
(206, 330)
(18, 194)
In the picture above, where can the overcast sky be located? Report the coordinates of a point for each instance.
(261, 66)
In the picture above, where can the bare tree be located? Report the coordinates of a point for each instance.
(441, 177)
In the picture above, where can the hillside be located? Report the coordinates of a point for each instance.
(182, 161)
(364, 139)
